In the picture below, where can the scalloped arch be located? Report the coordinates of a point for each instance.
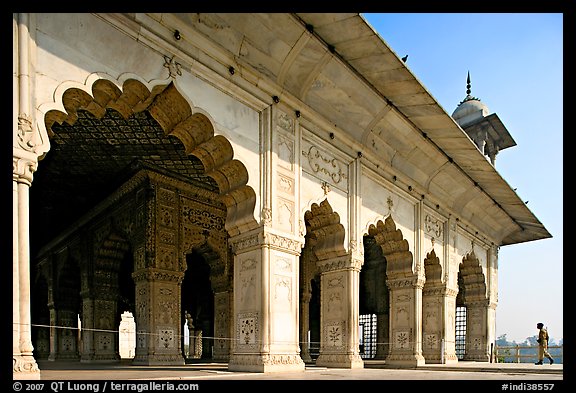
(326, 233)
(173, 113)
(432, 268)
(395, 248)
(473, 278)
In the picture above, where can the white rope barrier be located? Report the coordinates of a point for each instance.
(141, 332)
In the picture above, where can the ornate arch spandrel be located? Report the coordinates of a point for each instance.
(175, 116)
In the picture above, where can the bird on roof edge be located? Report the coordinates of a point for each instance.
(405, 58)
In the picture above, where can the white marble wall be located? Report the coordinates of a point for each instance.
(73, 50)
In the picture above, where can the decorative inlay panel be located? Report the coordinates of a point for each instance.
(430, 320)
(334, 306)
(334, 335)
(285, 150)
(166, 338)
(104, 341)
(166, 216)
(285, 122)
(325, 166)
(430, 341)
(282, 265)
(168, 309)
(167, 237)
(166, 257)
(247, 330)
(476, 343)
(475, 321)
(283, 289)
(167, 197)
(285, 184)
(285, 214)
(402, 316)
(401, 339)
(201, 216)
(247, 281)
(247, 264)
(433, 227)
(334, 282)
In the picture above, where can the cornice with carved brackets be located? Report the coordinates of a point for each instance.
(340, 263)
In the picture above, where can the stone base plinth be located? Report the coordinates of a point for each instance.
(159, 360)
(478, 357)
(307, 358)
(406, 360)
(102, 358)
(266, 363)
(436, 359)
(340, 361)
(24, 367)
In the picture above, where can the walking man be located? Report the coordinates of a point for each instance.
(543, 344)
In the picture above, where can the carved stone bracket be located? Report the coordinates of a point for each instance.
(23, 168)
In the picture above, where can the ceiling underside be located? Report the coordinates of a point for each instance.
(90, 159)
(339, 66)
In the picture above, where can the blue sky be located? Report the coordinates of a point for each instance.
(515, 62)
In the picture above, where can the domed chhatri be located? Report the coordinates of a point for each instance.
(470, 108)
(485, 129)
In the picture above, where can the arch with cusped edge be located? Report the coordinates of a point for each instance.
(339, 277)
(405, 288)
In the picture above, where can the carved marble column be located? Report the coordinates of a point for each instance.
(382, 335)
(42, 343)
(222, 330)
(158, 317)
(438, 307)
(100, 338)
(88, 346)
(64, 345)
(24, 364)
(27, 146)
(339, 342)
(477, 345)
(479, 309)
(305, 326)
(265, 303)
(405, 282)
(406, 321)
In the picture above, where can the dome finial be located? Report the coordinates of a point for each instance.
(468, 91)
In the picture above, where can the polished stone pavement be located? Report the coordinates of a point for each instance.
(373, 370)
